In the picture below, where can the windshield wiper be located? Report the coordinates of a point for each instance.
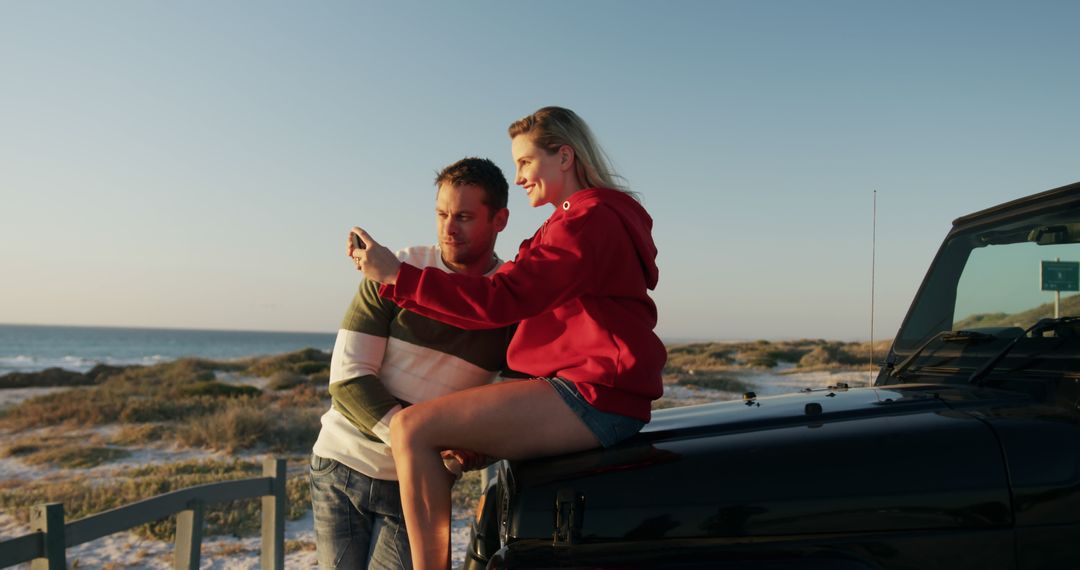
(1043, 324)
(943, 336)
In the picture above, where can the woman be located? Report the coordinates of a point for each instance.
(578, 289)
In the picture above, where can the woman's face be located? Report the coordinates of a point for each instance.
(542, 175)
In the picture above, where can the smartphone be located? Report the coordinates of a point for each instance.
(356, 243)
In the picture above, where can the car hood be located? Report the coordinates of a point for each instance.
(905, 457)
(811, 406)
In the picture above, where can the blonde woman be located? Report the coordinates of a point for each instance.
(578, 291)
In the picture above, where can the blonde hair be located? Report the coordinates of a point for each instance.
(553, 127)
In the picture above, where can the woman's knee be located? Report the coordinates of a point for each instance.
(406, 429)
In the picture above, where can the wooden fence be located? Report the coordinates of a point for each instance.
(45, 548)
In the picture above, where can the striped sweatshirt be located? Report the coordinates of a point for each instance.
(385, 358)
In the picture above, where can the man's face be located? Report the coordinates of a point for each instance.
(467, 230)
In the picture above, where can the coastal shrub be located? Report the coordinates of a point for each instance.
(757, 359)
(176, 390)
(304, 396)
(695, 348)
(832, 355)
(160, 409)
(282, 380)
(178, 371)
(858, 353)
(299, 546)
(230, 550)
(788, 353)
(77, 406)
(714, 382)
(58, 377)
(140, 434)
(819, 356)
(711, 356)
(311, 367)
(248, 424)
(722, 357)
(306, 361)
(75, 456)
(807, 354)
(665, 403)
(214, 388)
(237, 426)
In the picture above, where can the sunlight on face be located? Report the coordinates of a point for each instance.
(466, 227)
(538, 171)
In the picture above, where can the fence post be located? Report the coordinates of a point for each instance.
(49, 520)
(189, 531)
(273, 516)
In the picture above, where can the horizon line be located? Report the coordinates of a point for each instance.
(672, 339)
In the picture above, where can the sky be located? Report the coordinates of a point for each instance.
(198, 164)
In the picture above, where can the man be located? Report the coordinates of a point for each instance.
(386, 358)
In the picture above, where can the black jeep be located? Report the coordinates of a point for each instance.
(964, 454)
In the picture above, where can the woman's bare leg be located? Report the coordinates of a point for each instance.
(512, 420)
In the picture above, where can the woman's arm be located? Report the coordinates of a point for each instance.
(543, 278)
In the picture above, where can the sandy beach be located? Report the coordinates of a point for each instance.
(129, 550)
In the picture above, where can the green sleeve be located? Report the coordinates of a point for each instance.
(359, 394)
(363, 401)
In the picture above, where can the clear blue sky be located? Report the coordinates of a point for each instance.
(197, 164)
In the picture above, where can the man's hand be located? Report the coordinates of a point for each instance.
(468, 460)
(378, 263)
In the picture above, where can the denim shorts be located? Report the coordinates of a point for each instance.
(608, 428)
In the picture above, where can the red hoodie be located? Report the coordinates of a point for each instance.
(578, 288)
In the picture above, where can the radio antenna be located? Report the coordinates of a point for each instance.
(873, 260)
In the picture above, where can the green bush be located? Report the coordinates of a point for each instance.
(282, 380)
(219, 390)
(306, 361)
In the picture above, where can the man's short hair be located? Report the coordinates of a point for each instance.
(479, 172)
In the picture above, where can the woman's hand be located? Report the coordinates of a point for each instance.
(378, 263)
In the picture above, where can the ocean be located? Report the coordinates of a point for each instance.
(28, 348)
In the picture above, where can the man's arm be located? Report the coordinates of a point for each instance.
(355, 387)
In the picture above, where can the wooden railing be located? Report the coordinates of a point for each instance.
(45, 548)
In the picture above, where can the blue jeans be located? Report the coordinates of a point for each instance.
(358, 520)
(607, 427)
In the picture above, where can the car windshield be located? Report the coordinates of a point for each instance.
(999, 279)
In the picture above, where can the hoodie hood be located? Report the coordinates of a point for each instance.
(634, 218)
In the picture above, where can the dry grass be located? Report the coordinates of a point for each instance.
(249, 424)
(67, 451)
(299, 546)
(283, 380)
(82, 497)
(307, 362)
(713, 381)
(230, 550)
(73, 456)
(181, 402)
(805, 355)
(140, 434)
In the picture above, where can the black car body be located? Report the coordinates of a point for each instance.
(964, 454)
